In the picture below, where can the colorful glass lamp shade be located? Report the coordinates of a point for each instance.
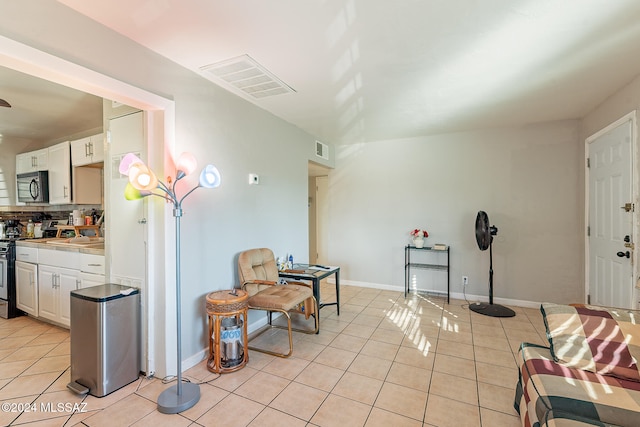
(209, 177)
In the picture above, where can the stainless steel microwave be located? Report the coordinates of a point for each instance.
(33, 187)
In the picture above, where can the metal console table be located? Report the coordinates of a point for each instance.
(408, 264)
(315, 274)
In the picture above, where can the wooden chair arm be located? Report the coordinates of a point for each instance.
(261, 282)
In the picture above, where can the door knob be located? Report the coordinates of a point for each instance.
(142, 221)
(626, 254)
(627, 238)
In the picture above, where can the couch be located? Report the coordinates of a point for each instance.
(588, 375)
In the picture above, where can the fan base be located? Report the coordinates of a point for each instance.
(493, 310)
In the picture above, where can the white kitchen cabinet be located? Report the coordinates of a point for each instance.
(92, 263)
(27, 254)
(60, 173)
(54, 293)
(58, 273)
(27, 287)
(32, 161)
(87, 280)
(87, 150)
(91, 270)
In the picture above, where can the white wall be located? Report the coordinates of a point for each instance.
(9, 147)
(526, 179)
(217, 127)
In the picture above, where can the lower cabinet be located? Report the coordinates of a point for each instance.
(27, 287)
(87, 280)
(45, 278)
(54, 293)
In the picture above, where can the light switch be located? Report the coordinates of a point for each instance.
(254, 179)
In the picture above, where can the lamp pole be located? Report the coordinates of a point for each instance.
(143, 183)
(180, 397)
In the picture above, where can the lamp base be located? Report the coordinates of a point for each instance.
(493, 310)
(170, 403)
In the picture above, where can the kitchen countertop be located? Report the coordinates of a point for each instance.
(59, 244)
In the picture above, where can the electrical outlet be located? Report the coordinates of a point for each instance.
(465, 280)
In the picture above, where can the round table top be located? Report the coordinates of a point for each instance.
(225, 297)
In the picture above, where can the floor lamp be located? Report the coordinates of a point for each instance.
(142, 183)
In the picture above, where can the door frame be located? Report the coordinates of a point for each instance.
(159, 310)
(635, 187)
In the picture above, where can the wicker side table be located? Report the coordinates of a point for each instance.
(227, 313)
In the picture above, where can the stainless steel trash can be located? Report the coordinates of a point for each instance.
(105, 338)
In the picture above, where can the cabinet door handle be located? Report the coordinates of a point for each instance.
(65, 191)
(94, 265)
(91, 149)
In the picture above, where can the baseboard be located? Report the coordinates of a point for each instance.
(455, 295)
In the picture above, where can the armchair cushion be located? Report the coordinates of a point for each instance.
(280, 297)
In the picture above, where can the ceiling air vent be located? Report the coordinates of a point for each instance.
(243, 73)
(322, 150)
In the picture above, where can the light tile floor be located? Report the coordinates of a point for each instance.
(385, 360)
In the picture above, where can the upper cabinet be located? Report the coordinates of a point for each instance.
(75, 170)
(33, 161)
(87, 150)
(59, 173)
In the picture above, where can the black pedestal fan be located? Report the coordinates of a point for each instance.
(484, 237)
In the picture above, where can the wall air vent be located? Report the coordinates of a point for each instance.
(322, 150)
(244, 74)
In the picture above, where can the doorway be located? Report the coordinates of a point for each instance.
(610, 214)
(318, 212)
(31, 61)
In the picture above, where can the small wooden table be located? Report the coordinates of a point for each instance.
(315, 274)
(77, 229)
(227, 313)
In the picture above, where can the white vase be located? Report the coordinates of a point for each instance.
(418, 242)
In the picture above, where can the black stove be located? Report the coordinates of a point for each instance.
(8, 298)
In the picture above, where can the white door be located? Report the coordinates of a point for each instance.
(126, 222)
(610, 224)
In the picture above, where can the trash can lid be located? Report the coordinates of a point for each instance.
(106, 292)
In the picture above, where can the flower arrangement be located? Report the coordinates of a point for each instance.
(419, 233)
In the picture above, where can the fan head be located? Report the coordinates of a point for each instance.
(484, 231)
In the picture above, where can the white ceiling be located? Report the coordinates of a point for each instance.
(366, 70)
(42, 111)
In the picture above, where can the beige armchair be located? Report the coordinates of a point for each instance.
(258, 275)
